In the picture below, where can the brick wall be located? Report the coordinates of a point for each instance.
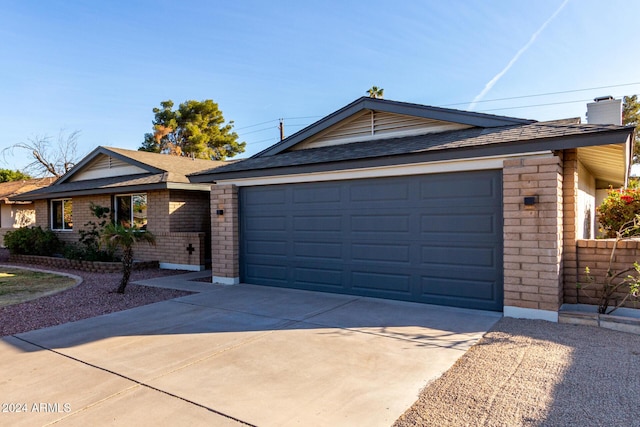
(533, 235)
(224, 234)
(570, 219)
(595, 255)
(189, 211)
(171, 248)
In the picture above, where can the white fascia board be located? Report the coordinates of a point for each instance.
(482, 163)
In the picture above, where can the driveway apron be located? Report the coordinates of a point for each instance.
(235, 355)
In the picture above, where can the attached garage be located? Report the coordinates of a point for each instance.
(427, 238)
(395, 200)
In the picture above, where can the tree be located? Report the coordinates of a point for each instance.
(375, 92)
(7, 175)
(49, 158)
(631, 117)
(196, 128)
(119, 236)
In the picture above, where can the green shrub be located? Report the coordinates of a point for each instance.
(88, 253)
(619, 209)
(32, 241)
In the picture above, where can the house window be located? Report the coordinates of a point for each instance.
(62, 214)
(131, 209)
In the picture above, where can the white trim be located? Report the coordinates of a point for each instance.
(188, 267)
(225, 280)
(530, 313)
(482, 163)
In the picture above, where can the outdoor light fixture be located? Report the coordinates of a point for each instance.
(530, 201)
(219, 212)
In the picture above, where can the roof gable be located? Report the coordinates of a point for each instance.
(107, 162)
(352, 122)
(105, 166)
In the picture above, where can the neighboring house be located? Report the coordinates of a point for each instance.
(18, 214)
(147, 189)
(433, 205)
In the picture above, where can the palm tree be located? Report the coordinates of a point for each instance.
(119, 236)
(375, 92)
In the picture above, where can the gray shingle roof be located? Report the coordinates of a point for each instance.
(459, 139)
(163, 172)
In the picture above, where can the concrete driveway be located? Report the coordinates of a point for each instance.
(234, 356)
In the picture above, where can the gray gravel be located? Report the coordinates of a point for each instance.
(93, 297)
(537, 373)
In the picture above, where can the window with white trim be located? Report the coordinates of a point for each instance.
(62, 214)
(131, 209)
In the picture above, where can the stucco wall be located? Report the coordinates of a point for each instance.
(586, 204)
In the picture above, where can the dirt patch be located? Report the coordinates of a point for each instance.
(536, 373)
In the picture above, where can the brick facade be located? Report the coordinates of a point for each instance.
(595, 255)
(570, 208)
(533, 241)
(224, 234)
(174, 235)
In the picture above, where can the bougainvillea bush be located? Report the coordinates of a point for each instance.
(618, 210)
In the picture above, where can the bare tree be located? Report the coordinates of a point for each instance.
(49, 157)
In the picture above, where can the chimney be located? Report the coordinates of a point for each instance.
(604, 111)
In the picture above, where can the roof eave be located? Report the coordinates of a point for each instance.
(115, 190)
(617, 136)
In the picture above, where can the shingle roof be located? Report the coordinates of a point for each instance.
(13, 188)
(466, 138)
(177, 165)
(163, 172)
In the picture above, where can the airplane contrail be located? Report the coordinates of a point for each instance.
(522, 50)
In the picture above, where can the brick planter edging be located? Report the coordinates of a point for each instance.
(74, 264)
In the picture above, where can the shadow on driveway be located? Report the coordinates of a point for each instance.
(259, 355)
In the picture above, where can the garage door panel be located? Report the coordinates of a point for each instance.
(363, 192)
(399, 254)
(268, 273)
(477, 187)
(453, 288)
(318, 250)
(312, 278)
(373, 283)
(459, 223)
(428, 238)
(267, 198)
(462, 256)
(317, 223)
(259, 247)
(266, 223)
(380, 223)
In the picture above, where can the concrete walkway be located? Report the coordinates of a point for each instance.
(235, 355)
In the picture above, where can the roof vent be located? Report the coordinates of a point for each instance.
(605, 110)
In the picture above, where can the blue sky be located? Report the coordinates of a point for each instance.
(100, 67)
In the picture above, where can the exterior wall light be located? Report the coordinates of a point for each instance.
(530, 201)
(219, 212)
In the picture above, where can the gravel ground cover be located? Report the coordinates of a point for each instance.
(91, 298)
(537, 373)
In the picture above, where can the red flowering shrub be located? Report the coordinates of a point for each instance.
(619, 208)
